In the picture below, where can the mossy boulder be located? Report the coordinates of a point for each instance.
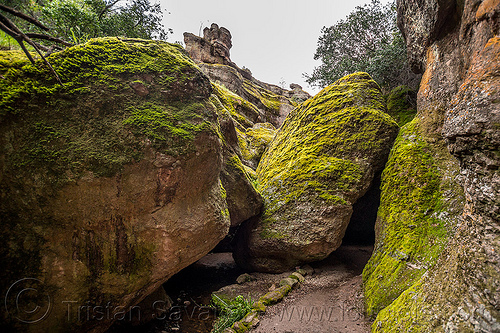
(420, 205)
(320, 162)
(109, 182)
(254, 142)
(275, 296)
(402, 104)
(243, 199)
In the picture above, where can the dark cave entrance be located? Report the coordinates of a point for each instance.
(361, 228)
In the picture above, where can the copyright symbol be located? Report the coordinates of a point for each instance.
(26, 302)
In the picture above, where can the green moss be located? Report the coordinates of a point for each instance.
(253, 176)
(235, 163)
(413, 218)
(98, 63)
(254, 141)
(167, 126)
(95, 121)
(238, 108)
(13, 59)
(223, 192)
(336, 131)
(275, 296)
(401, 103)
(259, 307)
(271, 101)
(261, 135)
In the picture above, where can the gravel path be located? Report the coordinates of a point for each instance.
(330, 301)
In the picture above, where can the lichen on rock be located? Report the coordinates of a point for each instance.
(211, 53)
(319, 163)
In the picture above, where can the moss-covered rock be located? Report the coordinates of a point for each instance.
(109, 182)
(420, 205)
(456, 46)
(275, 296)
(320, 162)
(244, 113)
(254, 142)
(243, 199)
(402, 104)
(460, 292)
(271, 106)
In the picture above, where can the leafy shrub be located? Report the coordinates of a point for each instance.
(229, 311)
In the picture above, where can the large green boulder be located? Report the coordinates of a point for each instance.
(320, 162)
(109, 183)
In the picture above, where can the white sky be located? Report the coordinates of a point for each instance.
(275, 39)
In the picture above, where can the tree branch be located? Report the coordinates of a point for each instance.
(10, 28)
(24, 17)
(49, 38)
(105, 9)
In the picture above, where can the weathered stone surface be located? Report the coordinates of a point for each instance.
(105, 193)
(213, 48)
(243, 278)
(299, 277)
(297, 94)
(420, 204)
(457, 106)
(320, 162)
(421, 23)
(254, 142)
(212, 54)
(243, 200)
(155, 305)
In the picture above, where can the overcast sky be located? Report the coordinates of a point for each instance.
(275, 39)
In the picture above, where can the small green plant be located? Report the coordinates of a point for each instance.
(229, 311)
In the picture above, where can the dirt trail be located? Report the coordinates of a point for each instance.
(329, 301)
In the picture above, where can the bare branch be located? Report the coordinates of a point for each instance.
(24, 17)
(10, 28)
(29, 41)
(49, 38)
(5, 28)
(107, 8)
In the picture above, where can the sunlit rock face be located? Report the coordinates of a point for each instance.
(456, 46)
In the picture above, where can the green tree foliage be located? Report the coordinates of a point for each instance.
(366, 40)
(79, 20)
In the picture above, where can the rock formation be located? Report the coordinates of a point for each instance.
(455, 286)
(402, 104)
(255, 142)
(212, 55)
(213, 48)
(110, 183)
(320, 162)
